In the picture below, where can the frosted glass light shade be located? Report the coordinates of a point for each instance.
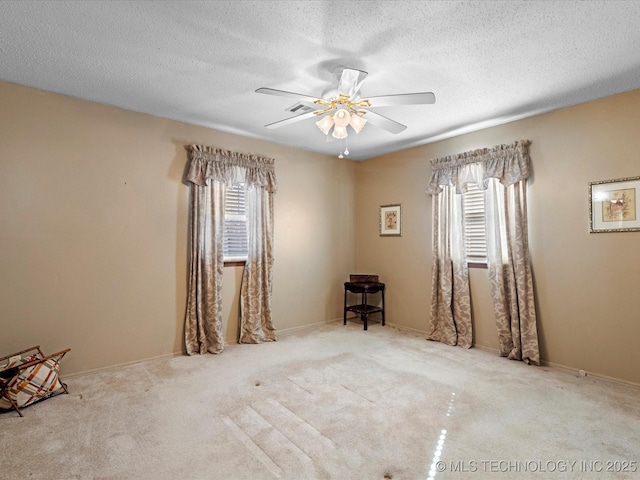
(325, 124)
(341, 118)
(357, 122)
(339, 132)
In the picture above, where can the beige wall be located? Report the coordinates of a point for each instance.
(587, 285)
(93, 230)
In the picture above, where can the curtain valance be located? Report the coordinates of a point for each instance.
(507, 163)
(229, 167)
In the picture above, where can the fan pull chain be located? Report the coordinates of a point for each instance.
(346, 149)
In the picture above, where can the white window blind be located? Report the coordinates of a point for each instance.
(475, 237)
(235, 224)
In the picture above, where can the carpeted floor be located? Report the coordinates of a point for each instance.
(333, 402)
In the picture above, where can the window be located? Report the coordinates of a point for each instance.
(475, 238)
(235, 225)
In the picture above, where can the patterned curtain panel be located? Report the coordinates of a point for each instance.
(502, 173)
(510, 270)
(210, 170)
(450, 320)
(255, 291)
(203, 319)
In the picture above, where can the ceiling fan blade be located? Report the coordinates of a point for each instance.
(290, 120)
(422, 98)
(383, 122)
(305, 99)
(350, 82)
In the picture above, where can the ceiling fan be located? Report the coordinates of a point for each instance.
(344, 106)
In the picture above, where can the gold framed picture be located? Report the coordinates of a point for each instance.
(614, 205)
(391, 220)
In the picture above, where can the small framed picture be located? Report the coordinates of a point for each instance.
(614, 205)
(391, 220)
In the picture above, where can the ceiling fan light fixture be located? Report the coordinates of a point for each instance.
(342, 118)
(325, 124)
(339, 131)
(357, 122)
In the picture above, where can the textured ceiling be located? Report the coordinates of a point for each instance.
(488, 62)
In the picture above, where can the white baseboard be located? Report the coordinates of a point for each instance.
(487, 349)
(575, 371)
(286, 331)
(406, 329)
(564, 368)
(310, 326)
(121, 365)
